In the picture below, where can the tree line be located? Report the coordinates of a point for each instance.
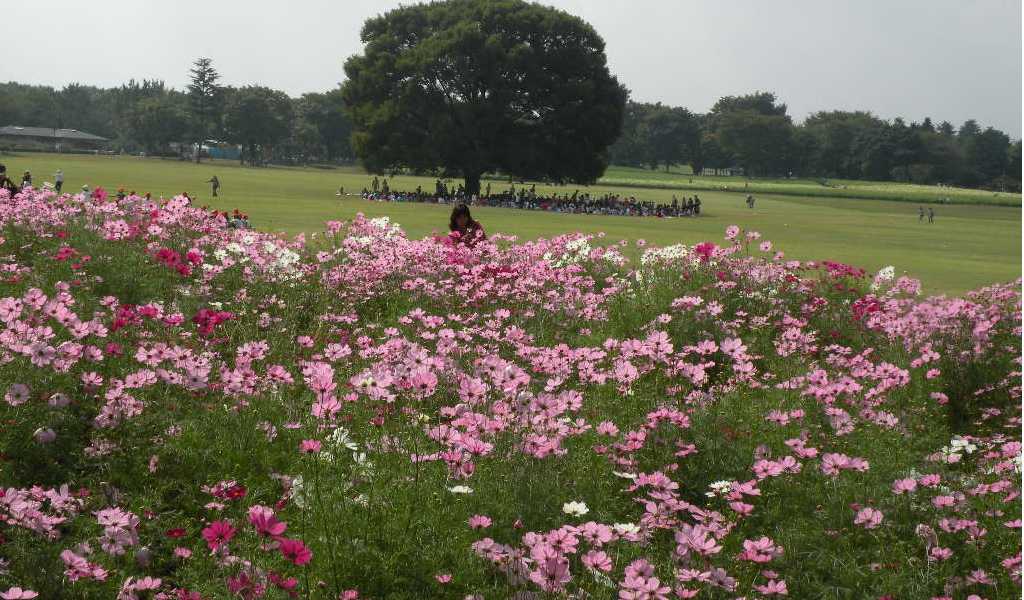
(755, 133)
(752, 132)
(148, 116)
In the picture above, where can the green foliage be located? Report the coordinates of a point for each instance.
(469, 87)
(257, 118)
(759, 142)
(654, 134)
(205, 99)
(156, 122)
(325, 112)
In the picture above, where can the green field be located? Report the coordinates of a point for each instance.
(970, 245)
(829, 188)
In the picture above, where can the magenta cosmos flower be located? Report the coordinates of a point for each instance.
(295, 551)
(218, 534)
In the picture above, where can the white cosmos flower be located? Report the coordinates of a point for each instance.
(574, 508)
(884, 275)
(626, 528)
(461, 489)
(719, 488)
(340, 437)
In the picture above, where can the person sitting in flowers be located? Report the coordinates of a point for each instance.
(464, 230)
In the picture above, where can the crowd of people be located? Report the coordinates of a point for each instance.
(528, 199)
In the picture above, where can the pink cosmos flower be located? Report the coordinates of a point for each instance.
(17, 394)
(265, 522)
(443, 578)
(16, 593)
(940, 553)
(479, 522)
(218, 533)
(597, 560)
(902, 486)
(773, 588)
(309, 446)
(869, 518)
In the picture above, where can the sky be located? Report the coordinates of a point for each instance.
(945, 59)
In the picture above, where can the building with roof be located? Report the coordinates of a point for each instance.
(15, 137)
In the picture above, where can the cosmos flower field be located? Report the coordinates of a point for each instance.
(195, 412)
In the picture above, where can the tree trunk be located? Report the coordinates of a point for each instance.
(472, 184)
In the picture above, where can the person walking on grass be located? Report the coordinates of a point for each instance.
(58, 180)
(931, 215)
(920, 214)
(215, 183)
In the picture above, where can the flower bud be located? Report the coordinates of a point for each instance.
(44, 435)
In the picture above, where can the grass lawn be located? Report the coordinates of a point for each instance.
(817, 188)
(967, 247)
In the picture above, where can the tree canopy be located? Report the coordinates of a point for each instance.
(467, 87)
(257, 119)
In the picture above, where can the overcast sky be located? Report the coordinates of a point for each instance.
(947, 59)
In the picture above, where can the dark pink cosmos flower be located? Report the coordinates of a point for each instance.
(295, 551)
(705, 250)
(218, 534)
(287, 584)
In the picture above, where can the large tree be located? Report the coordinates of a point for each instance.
(257, 118)
(205, 100)
(468, 87)
(326, 112)
(754, 129)
(673, 134)
(761, 143)
(833, 134)
(155, 122)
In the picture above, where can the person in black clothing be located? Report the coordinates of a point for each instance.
(26, 179)
(6, 183)
(467, 230)
(215, 183)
